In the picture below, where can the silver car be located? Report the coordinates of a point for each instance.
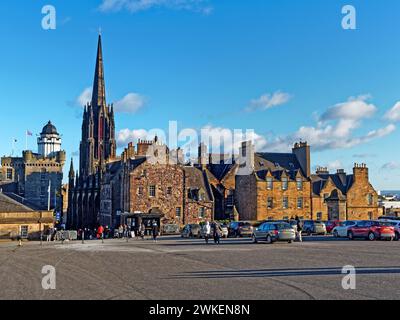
(271, 232)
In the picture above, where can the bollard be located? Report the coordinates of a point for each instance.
(83, 237)
(41, 238)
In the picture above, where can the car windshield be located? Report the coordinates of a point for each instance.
(385, 223)
(318, 222)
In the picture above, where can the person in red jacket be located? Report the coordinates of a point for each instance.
(100, 232)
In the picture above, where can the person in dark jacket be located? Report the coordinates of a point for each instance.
(216, 234)
(299, 229)
(155, 231)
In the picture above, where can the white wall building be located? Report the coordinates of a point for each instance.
(49, 141)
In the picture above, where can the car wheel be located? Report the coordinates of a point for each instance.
(335, 234)
(371, 236)
(254, 238)
(396, 236)
(269, 239)
(191, 235)
(290, 241)
(350, 235)
(309, 233)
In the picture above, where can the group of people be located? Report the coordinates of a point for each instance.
(213, 229)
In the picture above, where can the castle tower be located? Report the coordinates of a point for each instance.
(98, 143)
(49, 142)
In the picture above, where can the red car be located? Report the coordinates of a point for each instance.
(330, 225)
(371, 230)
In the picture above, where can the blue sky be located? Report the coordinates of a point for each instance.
(284, 68)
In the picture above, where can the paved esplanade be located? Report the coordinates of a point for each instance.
(188, 269)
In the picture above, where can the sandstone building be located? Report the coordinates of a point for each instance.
(31, 178)
(281, 186)
(18, 220)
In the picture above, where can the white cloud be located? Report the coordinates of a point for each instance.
(133, 6)
(391, 166)
(335, 128)
(353, 109)
(131, 103)
(126, 136)
(85, 97)
(394, 113)
(268, 101)
(230, 140)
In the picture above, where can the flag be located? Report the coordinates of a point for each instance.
(28, 133)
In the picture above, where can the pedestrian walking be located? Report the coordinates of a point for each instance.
(100, 232)
(207, 231)
(48, 235)
(216, 234)
(155, 231)
(299, 229)
(120, 231)
(142, 230)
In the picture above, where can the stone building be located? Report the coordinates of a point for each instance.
(277, 186)
(17, 220)
(31, 178)
(139, 187)
(344, 197)
(281, 186)
(97, 148)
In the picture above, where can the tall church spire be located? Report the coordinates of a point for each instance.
(99, 91)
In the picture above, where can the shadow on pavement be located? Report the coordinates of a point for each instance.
(284, 273)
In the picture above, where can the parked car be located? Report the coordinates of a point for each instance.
(191, 231)
(271, 232)
(396, 225)
(224, 230)
(311, 227)
(240, 229)
(342, 230)
(372, 230)
(330, 225)
(170, 229)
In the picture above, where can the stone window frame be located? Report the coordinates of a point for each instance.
(202, 212)
(299, 184)
(270, 183)
(285, 183)
(152, 191)
(300, 200)
(9, 174)
(270, 203)
(285, 202)
(370, 199)
(168, 191)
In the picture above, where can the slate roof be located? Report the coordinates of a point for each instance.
(196, 179)
(342, 182)
(8, 205)
(275, 161)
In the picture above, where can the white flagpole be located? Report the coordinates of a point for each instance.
(48, 204)
(26, 140)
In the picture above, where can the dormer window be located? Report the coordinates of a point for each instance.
(270, 184)
(299, 183)
(285, 183)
